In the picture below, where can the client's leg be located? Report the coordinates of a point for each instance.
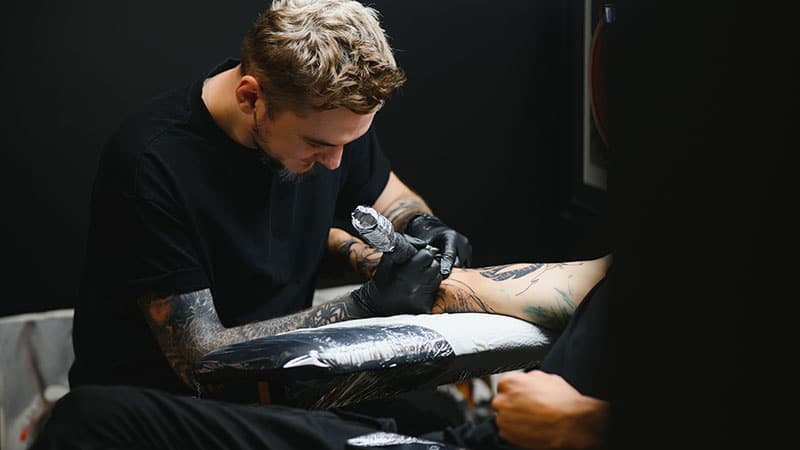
(545, 294)
(121, 417)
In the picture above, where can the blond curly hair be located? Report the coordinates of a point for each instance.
(320, 54)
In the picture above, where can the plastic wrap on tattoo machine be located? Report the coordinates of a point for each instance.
(380, 234)
(363, 359)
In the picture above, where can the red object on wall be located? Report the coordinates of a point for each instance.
(596, 90)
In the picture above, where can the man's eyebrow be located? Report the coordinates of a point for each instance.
(319, 142)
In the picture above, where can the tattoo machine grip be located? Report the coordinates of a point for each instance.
(380, 234)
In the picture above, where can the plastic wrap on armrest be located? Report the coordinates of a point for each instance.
(363, 359)
(331, 350)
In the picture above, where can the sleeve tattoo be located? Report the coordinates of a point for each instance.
(187, 327)
(362, 258)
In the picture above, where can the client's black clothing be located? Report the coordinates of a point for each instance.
(580, 356)
(135, 418)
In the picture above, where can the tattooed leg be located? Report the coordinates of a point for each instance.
(543, 294)
(456, 296)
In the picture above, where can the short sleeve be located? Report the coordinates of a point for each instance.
(139, 240)
(162, 258)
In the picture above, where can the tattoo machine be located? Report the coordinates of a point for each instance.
(380, 234)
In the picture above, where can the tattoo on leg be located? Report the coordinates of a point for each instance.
(554, 317)
(517, 271)
(504, 272)
(462, 299)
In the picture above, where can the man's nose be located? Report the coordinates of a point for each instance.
(331, 158)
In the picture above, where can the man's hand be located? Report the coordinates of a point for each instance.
(455, 247)
(406, 288)
(542, 411)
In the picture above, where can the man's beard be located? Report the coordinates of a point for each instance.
(284, 173)
(276, 165)
(292, 177)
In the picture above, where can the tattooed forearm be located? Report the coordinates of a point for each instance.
(361, 257)
(187, 327)
(403, 209)
(367, 262)
(364, 259)
(343, 248)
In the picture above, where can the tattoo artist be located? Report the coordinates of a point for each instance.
(212, 205)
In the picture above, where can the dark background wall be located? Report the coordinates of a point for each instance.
(702, 114)
(486, 129)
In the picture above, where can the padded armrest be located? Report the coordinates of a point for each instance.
(364, 359)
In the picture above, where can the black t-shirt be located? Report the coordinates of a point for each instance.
(178, 206)
(581, 355)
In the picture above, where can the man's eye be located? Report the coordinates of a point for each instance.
(314, 145)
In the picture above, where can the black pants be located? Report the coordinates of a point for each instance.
(128, 418)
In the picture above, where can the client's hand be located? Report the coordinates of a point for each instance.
(542, 411)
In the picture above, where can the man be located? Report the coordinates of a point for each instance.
(212, 206)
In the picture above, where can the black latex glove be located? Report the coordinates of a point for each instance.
(455, 247)
(401, 288)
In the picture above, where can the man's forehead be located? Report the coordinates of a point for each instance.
(333, 127)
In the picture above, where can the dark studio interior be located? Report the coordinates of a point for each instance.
(544, 131)
(488, 125)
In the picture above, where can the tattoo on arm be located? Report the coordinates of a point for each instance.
(401, 211)
(366, 264)
(363, 258)
(187, 327)
(344, 248)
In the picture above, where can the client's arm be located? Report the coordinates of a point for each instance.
(545, 294)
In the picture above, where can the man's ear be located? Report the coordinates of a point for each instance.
(247, 93)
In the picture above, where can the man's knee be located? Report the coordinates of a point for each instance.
(94, 403)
